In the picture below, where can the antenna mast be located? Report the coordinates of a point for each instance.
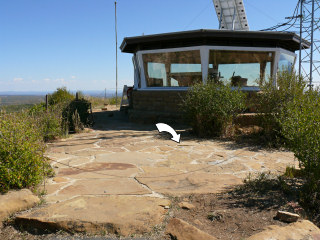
(116, 32)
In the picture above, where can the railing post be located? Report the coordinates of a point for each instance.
(47, 103)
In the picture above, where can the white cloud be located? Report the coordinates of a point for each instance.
(47, 80)
(18, 79)
(33, 81)
(61, 80)
(73, 77)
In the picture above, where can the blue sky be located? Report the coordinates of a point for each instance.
(45, 44)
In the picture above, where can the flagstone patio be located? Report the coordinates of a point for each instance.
(119, 176)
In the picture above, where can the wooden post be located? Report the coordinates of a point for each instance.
(77, 96)
(47, 104)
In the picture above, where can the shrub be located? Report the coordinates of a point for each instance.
(61, 95)
(212, 107)
(113, 100)
(49, 122)
(22, 163)
(76, 122)
(274, 98)
(300, 126)
(77, 114)
(310, 198)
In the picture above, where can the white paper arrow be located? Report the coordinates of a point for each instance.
(162, 127)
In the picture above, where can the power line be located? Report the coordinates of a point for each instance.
(198, 15)
(261, 11)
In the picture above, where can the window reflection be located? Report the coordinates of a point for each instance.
(286, 62)
(172, 69)
(240, 67)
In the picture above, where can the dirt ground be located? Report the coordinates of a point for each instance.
(235, 214)
(11, 233)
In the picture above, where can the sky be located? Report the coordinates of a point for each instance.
(46, 44)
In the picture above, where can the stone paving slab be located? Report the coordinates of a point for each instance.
(14, 201)
(173, 182)
(123, 215)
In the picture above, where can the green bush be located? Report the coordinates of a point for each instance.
(273, 98)
(22, 161)
(61, 95)
(50, 123)
(300, 126)
(212, 107)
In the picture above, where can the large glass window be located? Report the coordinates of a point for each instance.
(172, 69)
(286, 62)
(244, 68)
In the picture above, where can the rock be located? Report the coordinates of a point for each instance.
(298, 230)
(198, 222)
(181, 230)
(287, 216)
(186, 205)
(15, 201)
(122, 215)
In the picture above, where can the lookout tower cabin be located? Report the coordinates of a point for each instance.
(166, 65)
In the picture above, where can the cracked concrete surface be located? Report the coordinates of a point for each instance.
(117, 177)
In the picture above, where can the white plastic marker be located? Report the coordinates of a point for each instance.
(162, 127)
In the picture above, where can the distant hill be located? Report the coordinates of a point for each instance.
(6, 100)
(93, 93)
(10, 98)
(22, 93)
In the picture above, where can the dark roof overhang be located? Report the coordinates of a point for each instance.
(287, 40)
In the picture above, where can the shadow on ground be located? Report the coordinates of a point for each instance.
(119, 120)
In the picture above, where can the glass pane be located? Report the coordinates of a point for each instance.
(240, 67)
(286, 62)
(172, 69)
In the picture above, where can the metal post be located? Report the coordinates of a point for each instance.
(115, 8)
(312, 43)
(300, 43)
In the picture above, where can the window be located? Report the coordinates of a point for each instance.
(172, 69)
(240, 67)
(286, 62)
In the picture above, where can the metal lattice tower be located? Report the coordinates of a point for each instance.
(309, 59)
